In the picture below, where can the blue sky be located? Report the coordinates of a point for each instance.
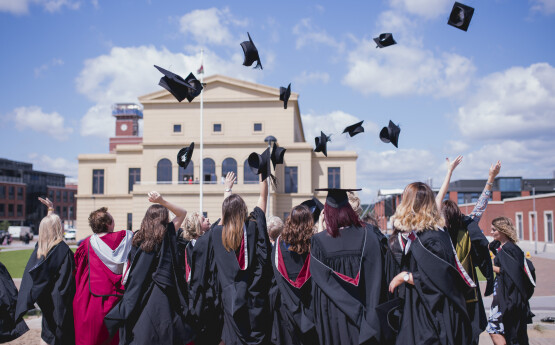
(487, 94)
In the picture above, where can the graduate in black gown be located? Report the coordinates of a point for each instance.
(48, 281)
(242, 253)
(194, 226)
(433, 282)
(10, 328)
(514, 285)
(154, 307)
(293, 317)
(346, 269)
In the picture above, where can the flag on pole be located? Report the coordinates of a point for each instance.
(200, 70)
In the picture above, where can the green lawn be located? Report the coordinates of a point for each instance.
(15, 261)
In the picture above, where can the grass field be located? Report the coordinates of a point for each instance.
(15, 261)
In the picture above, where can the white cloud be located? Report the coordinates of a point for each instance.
(543, 6)
(57, 165)
(312, 77)
(128, 72)
(457, 146)
(53, 63)
(22, 6)
(516, 103)
(35, 119)
(309, 34)
(425, 8)
(210, 26)
(14, 6)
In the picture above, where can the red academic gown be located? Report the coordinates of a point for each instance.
(97, 292)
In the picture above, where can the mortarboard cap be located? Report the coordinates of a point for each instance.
(322, 143)
(337, 197)
(180, 88)
(315, 207)
(196, 87)
(251, 53)
(389, 316)
(277, 155)
(260, 164)
(184, 155)
(390, 133)
(384, 40)
(460, 16)
(354, 129)
(284, 94)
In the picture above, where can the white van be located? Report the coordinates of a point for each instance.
(20, 232)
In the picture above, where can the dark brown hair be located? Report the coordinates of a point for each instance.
(369, 219)
(153, 228)
(99, 220)
(453, 218)
(234, 216)
(298, 229)
(336, 218)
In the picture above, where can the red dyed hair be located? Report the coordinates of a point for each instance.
(336, 218)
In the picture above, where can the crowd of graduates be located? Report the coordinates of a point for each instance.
(321, 276)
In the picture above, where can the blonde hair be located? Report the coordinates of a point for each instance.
(50, 234)
(274, 226)
(192, 226)
(505, 226)
(354, 200)
(418, 210)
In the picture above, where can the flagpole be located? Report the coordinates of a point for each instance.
(201, 128)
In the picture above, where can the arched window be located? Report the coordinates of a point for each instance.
(164, 170)
(249, 176)
(209, 172)
(229, 164)
(187, 175)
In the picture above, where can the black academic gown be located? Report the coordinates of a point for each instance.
(10, 328)
(50, 283)
(434, 310)
(153, 309)
(292, 296)
(347, 286)
(244, 294)
(514, 290)
(205, 292)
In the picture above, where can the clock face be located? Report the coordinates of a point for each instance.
(123, 127)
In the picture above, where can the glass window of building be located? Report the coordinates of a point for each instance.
(11, 192)
(58, 211)
(229, 164)
(130, 221)
(217, 127)
(65, 195)
(20, 210)
(510, 184)
(249, 176)
(258, 127)
(64, 212)
(460, 198)
(2, 192)
(549, 226)
(177, 128)
(10, 210)
(71, 196)
(134, 177)
(187, 175)
(98, 181)
(58, 195)
(519, 227)
(71, 215)
(291, 180)
(51, 195)
(164, 170)
(2, 212)
(19, 193)
(209, 172)
(334, 177)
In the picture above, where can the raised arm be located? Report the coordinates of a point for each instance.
(179, 212)
(229, 181)
(445, 186)
(46, 202)
(482, 202)
(263, 198)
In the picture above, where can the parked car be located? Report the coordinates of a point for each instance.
(69, 234)
(5, 237)
(21, 232)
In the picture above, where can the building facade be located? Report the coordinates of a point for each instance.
(238, 116)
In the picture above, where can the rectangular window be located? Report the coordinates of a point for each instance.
(533, 225)
(51, 195)
(460, 198)
(10, 210)
(65, 195)
(258, 127)
(71, 196)
(548, 221)
(19, 193)
(2, 192)
(71, 215)
(58, 211)
(334, 178)
(20, 210)
(519, 226)
(64, 212)
(11, 192)
(291, 180)
(217, 127)
(510, 184)
(98, 181)
(134, 177)
(130, 221)
(2, 212)
(177, 128)
(58, 195)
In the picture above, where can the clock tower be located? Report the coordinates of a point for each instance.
(127, 124)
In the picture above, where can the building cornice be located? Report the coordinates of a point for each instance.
(111, 157)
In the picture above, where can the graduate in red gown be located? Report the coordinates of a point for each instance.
(100, 262)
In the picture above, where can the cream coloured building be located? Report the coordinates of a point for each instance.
(238, 116)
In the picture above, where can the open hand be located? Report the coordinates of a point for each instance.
(230, 180)
(494, 169)
(155, 197)
(452, 165)
(46, 202)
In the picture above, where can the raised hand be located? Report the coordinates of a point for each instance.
(230, 180)
(46, 202)
(155, 197)
(494, 169)
(452, 165)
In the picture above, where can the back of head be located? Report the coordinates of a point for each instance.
(505, 226)
(192, 226)
(453, 218)
(234, 216)
(369, 219)
(417, 210)
(153, 228)
(275, 227)
(50, 234)
(100, 220)
(336, 218)
(298, 229)
(354, 200)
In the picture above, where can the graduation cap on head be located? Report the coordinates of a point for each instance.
(384, 40)
(251, 53)
(322, 143)
(260, 164)
(184, 155)
(354, 129)
(390, 133)
(180, 88)
(460, 16)
(284, 94)
(337, 197)
(315, 207)
(277, 155)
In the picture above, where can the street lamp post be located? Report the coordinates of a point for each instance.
(535, 220)
(270, 139)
